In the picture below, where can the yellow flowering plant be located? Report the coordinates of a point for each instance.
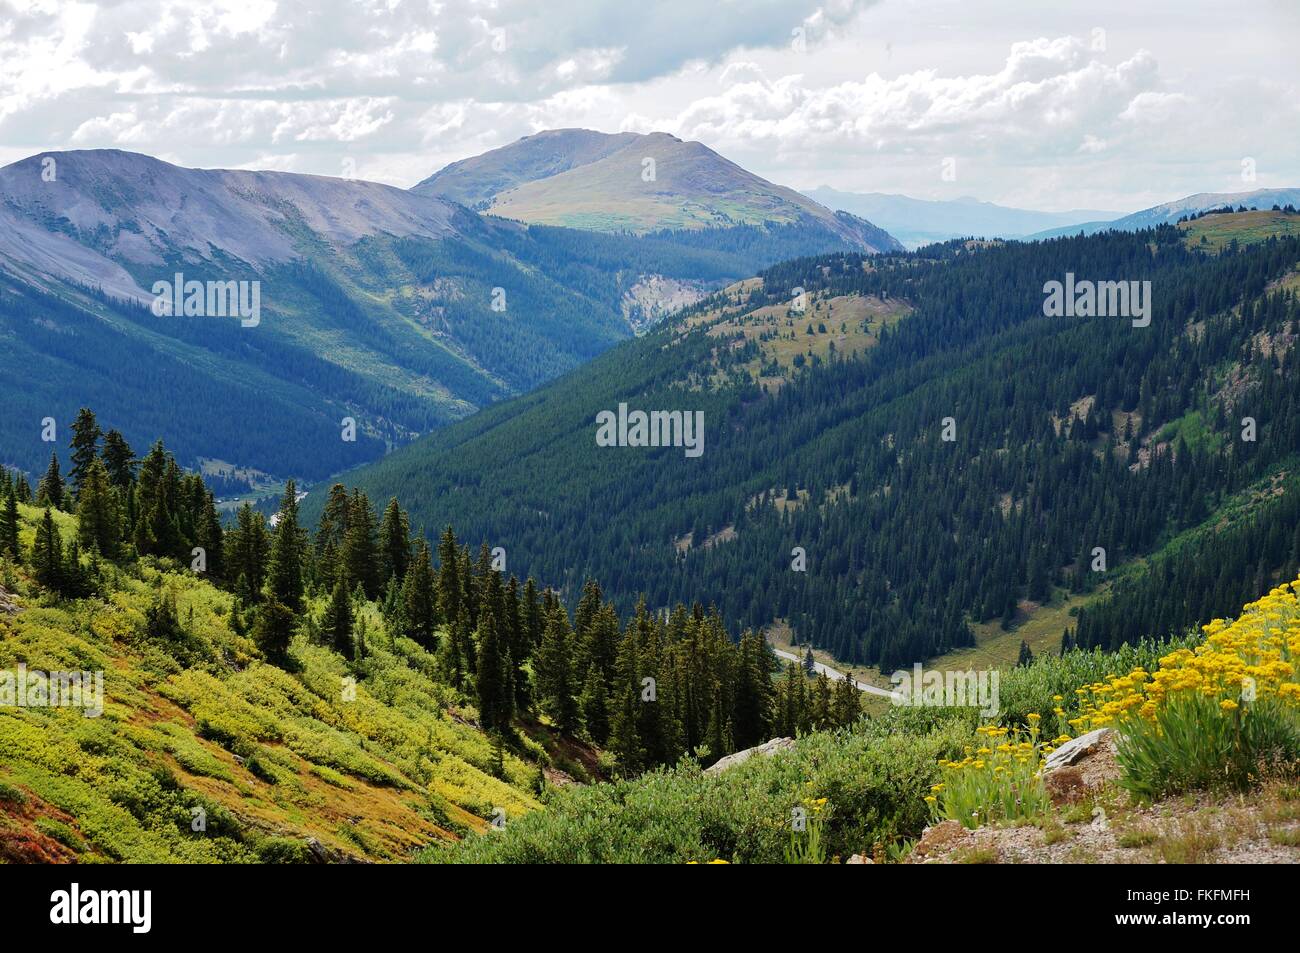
(1212, 716)
(996, 780)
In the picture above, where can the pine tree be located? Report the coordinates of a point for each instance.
(22, 489)
(449, 584)
(552, 668)
(394, 543)
(337, 624)
(119, 459)
(495, 706)
(49, 492)
(99, 528)
(418, 609)
(9, 524)
(332, 530)
(821, 714)
(47, 553)
(85, 446)
(284, 582)
(360, 550)
(247, 549)
(1026, 657)
(809, 663)
(625, 738)
(595, 708)
(273, 631)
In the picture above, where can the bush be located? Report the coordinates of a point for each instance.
(873, 781)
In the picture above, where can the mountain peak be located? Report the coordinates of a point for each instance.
(632, 182)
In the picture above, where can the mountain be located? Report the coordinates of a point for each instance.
(398, 309)
(825, 498)
(1171, 212)
(917, 222)
(630, 182)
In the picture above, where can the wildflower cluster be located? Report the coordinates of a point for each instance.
(1216, 715)
(997, 779)
(1239, 663)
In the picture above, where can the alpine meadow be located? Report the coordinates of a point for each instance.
(463, 434)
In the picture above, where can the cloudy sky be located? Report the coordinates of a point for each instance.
(1053, 104)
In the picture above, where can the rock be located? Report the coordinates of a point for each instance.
(740, 757)
(938, 839)
(320, 854)
(1072, 751)
(8, 605)
(1078, 768)
(859, 859)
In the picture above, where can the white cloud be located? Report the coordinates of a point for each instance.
(868, 96)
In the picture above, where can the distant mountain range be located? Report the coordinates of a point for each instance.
(917, 222)
(400, 309)
(1171, 212)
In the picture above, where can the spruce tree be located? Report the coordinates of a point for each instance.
(337, 624)
(119, 460)
(449, 585)
(360, 550)
(47, 553)
(9, 524)
(551, 667)
(394, 543)
(85, 446)
(273, 631)
(284, 583)
(99, 528)
(494, 701)
(49, 492)
(419, 614)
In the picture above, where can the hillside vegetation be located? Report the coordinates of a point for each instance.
(1128, 440)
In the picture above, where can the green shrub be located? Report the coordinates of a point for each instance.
(1190, 744)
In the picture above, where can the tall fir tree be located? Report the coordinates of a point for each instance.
(394, 543)
(85, 446)
(284, 578)
(495, 705)
(337, 624)
(49, 492)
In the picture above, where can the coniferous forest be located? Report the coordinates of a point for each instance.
(1122, 439)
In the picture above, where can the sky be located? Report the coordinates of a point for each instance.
(1050, 104)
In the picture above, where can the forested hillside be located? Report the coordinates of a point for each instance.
(333, 695)
(1070, 436)
(400, 311)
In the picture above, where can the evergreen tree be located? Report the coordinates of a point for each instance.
(332, 530)
(85, 446)
(284, 583)
(119, 459)
(337, 624)
(552, 667)
(9, 524)
(625, 738)
(273, 631)
(247, 550)
(49, 492)
(418, 608)
(595, 708)
(360, 549)
(47, 553)
(495, 705)
(449, 584)
(98, 525)
(394, 543)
